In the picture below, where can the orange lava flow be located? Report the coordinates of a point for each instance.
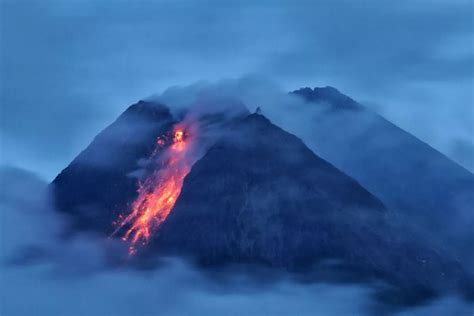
(157, 194)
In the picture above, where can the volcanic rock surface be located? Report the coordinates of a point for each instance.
(409, 176)
(97, 186)
(260, 196)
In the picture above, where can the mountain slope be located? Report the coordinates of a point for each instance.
(97, 185)
(275, 184)
(409, 176)
(258, 195)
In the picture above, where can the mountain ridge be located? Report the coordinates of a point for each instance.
(407, 174)
(258, 194)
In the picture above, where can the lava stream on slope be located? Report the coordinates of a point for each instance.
(158, 193)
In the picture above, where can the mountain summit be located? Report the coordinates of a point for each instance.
(410, 177)
(237, 189)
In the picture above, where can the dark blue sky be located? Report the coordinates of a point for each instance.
(68, 68)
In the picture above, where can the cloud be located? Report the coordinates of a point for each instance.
(176, 290)
(327, 135)
(71, 276)
(445, 306)
(69, 68)
(47, 273)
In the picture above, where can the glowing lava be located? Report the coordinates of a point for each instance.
(159, 192)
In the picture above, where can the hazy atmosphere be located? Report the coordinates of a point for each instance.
(68, 68)
(351, 200)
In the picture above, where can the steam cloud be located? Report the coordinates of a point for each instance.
(48, 274)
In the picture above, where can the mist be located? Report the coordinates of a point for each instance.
(44, 274)
(350, 139)
(70, 68)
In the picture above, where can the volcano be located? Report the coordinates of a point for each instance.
(410, 177)
(254, 194)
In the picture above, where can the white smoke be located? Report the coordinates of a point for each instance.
(43, 273)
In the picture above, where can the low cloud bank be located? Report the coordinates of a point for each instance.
(44, 273)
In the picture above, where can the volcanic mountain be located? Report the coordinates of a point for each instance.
(252, 194)
(97, 186)
(409, 176)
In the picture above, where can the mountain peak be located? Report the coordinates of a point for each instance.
(148, 109)
(327, 94)
(253, 193)
(257, 117)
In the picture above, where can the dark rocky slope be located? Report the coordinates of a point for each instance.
(257, 196)
(260, 196)
(97, 186)
(410, 177)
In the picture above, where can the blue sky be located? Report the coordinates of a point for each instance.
(68, 68)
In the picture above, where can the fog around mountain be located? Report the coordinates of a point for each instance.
(79, 282)
(93, 195)
(412, 62)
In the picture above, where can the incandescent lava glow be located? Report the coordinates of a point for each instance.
(158, 193)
